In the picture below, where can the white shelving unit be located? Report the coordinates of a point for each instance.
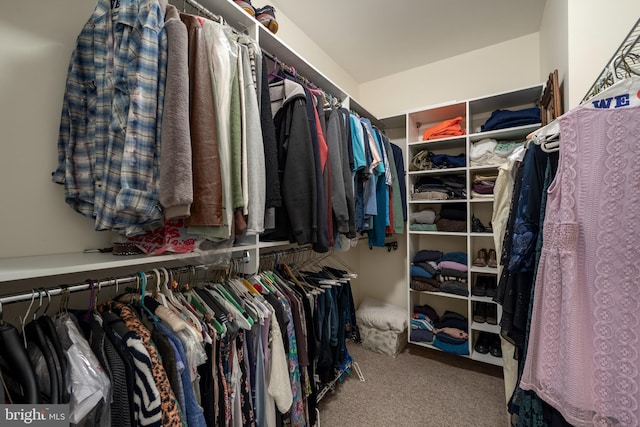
(19, 274)
(474, 113)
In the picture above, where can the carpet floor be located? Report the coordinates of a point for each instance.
(420, 387)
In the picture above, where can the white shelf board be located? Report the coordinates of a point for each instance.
(438, 233)
(515, 133)
(481, 234)
(482, 299)
(505, 100)
(450, 141)
(30, 267)
(438, 171)
(485, 327)
(486, 358)
(485, 200)
(483, 167)
(441, 294)
(438, 201)
(484, 270)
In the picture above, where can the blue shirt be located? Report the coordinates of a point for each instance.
(109, 138)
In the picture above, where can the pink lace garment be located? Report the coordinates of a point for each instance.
(583, 356)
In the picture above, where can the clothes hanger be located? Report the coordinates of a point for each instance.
(143, 285)
(622, 93)
(17, 364)
(50, 332)
(35, 338)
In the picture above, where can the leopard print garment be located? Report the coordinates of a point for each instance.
(170, 413)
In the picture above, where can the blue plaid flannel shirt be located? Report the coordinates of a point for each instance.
(109, 138)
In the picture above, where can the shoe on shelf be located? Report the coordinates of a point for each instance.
(267, 17)
(491, 286)
(480, 312)
(246, 5)
(477, 226)
(492, 314)
(492, 261)
(495, 346)
(482, 343)
(481, 261)
(480, 288)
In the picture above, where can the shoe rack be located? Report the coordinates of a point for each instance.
(477, 244)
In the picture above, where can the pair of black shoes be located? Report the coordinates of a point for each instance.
(485, 312)
(488, 343)
(486, 286)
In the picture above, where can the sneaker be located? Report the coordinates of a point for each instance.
(246, 5)
(267, 17)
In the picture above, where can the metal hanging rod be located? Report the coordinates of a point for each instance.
(200, 8)
(291, 70)
(113, 281)
(624, 63)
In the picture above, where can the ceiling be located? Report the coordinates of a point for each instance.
(375, 38)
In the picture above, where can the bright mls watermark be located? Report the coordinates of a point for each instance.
(34, 415)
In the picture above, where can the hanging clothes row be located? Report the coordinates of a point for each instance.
(172, 135)
(192, 351)
(565, 216)
(330, 161)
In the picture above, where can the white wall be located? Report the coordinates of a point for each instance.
(554, 44)
(596, 29)
(504, 66)
(299, 42)
(36, 40)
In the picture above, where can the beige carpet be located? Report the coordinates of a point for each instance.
(420, 387)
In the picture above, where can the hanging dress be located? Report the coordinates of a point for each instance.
(583, 350)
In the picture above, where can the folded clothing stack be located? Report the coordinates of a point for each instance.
(423, 319)
(434, 271)
(490, 152)
(483, 185)
(453, 218)
(427, 160)
(444, 129)
(451, 333)
(423, 220)
(502, 119)
(453, 273)
(439, 188)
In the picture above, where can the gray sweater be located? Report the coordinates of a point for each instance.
(176, 186)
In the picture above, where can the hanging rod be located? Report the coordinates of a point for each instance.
(117, 281)
(206, 12)
(291, 70)
(624, 62)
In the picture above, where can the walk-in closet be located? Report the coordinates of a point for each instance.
(229, 213)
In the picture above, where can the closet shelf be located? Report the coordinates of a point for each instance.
(437, 202)
(440, 294)
(484, 270)
(484, 167)
(485, 327)
(481, 299)
(486, 358)
(30, 267)
(435, 143)
(482, 200)
(439, 171)
(514, 133)
(481, 234)
(439, 233)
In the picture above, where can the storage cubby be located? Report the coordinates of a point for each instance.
(477, 202)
